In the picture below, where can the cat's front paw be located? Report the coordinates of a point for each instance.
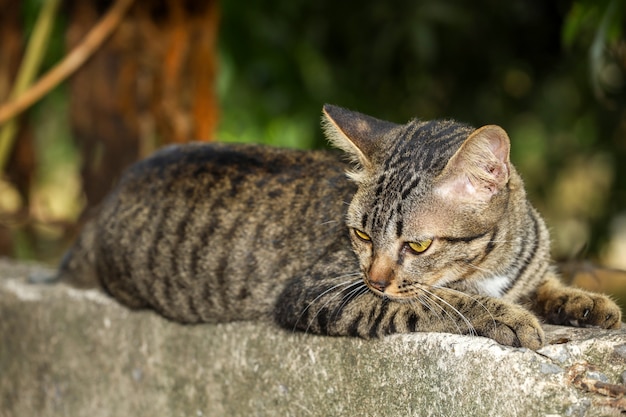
(580, 308)
(516, 327)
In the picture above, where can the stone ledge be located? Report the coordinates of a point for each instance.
(78, 353)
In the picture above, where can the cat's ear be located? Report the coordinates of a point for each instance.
(480, 168)
(357, 134)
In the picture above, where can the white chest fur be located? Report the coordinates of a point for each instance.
(493, 286)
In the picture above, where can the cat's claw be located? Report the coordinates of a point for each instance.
(582, 309)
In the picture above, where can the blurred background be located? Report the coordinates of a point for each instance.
(551, 73)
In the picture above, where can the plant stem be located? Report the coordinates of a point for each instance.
(35, 50)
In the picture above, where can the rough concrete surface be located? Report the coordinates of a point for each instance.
(68, 352)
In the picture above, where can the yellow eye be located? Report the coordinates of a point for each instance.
(421, 246)
(362, 235)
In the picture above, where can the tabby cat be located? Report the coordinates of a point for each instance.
(430, 230)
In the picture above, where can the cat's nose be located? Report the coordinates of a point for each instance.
(379, 285)
(381, 273)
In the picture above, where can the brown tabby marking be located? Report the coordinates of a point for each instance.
(430, 231)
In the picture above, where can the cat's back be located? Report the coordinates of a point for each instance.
(245, 179)
(204, 161)
(189, 229)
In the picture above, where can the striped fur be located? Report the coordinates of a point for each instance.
(216, 233)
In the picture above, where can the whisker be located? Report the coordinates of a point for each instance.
(429, 304)
(425, 301)
(479, 268)
(317, 298)
(358, 291)
(433, 303)
(348, 283)
(334, 297)
(470, 327)
(471, 297)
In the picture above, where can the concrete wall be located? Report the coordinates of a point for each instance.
(65, 352)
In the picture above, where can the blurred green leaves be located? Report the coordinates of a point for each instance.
(552, 73)
(523, 64)
(600, 25)
(599, 19)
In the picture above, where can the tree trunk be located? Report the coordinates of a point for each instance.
(152, 83)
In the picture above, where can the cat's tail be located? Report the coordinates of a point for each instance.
(77, 267)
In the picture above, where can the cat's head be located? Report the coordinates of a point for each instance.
(430, 199)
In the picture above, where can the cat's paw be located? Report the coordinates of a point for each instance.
(516, 327)
(579, 308)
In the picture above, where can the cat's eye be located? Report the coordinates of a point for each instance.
(420, 246)
(362, 235)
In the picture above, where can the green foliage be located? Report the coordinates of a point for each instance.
(599, 19)
(523, 64)
(552, 73)
(600, 25)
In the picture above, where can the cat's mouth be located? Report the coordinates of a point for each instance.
(388, 289)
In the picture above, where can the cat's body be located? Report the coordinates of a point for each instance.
(182, 242)
(439, 237)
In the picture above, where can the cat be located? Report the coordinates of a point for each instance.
(425, 227)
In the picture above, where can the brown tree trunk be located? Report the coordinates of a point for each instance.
(152, 83)
(20, 167)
